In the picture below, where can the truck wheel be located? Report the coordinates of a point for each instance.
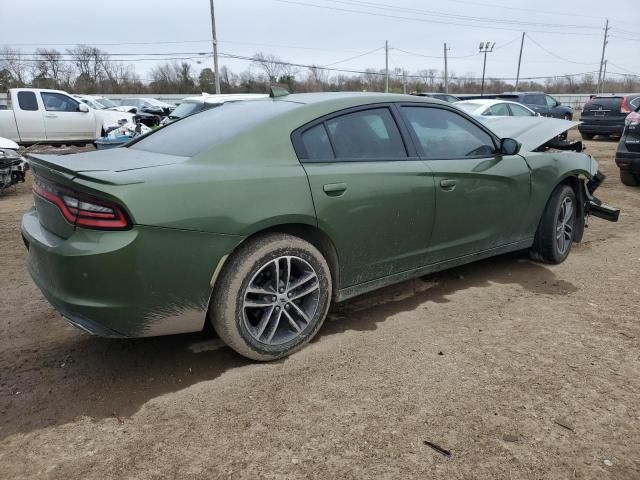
(554, 236)
(587, 136)
(271, 297)
(629, 179)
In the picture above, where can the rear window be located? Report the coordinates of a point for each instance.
(606, 103)
(198, 133)
(27, 101)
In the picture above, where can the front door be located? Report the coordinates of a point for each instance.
(481, 196)
(64, 121)
(372, 194)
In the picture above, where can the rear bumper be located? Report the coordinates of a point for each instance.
(626, 160)
(595, 129)
(142, 282)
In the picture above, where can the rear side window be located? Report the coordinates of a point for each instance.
(366, 134)
(551, 102)
(27, 101)
(444, 134)
(316, 144)
(534, 100)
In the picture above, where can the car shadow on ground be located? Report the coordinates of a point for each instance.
(83, 376)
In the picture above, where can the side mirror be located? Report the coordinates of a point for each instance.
(537, 114)
(509, 146)
(83, 108)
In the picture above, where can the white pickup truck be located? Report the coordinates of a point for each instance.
(35, 115)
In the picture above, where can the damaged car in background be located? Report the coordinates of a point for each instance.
(255, 216)
(13, 167)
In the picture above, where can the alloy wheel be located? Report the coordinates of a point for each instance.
(564, 226)
(281, 300)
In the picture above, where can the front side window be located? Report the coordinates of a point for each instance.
(520, 111)
(27, 101)
(366, 134)
(499, 109)
(56, 102)
(445, 134)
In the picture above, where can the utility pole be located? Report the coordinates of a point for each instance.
(386, 66)
(519, 60)
(485, 48)
(446, 72)
(604, 46)
(216, 73)
(604, 74)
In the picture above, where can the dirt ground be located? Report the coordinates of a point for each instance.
(521, 371)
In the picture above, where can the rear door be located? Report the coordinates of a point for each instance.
(538, 103)
(64, 121)
(372, 193)
(480, 195)
(29, 116)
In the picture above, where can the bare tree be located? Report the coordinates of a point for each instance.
(271, 65)
(13, 61)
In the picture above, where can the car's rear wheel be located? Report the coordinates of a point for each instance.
(554, 236)
(629, 179)
(587, 136)
(271, 297)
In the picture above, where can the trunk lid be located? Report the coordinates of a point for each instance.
(118, 166)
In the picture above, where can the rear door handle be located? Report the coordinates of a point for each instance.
(51, 115)
(448, 184)
(334, 189)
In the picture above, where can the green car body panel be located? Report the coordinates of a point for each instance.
(190, 209)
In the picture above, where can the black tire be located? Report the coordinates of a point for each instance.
(547, 246)
(629, 179)
(587, 136)
(254, 265)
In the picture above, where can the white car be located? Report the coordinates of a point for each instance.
(190, 105)
(495, 108)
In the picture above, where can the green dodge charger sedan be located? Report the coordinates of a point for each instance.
(254, 216)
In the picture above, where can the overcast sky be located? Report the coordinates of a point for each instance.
(324, 32)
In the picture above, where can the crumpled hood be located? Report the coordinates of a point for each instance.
(531, 132)
(6, 143)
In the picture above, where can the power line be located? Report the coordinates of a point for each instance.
(558, 56)
(430, 21)
(434, 13)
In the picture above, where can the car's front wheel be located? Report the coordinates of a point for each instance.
(554, 236)
(629, 179)
(271, 297)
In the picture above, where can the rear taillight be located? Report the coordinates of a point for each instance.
(624, 106)
(632, 119)
(80, 209)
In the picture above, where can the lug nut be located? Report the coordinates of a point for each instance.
(277, 309)
(273, 299)
(282, 290)
(286, 307)
(289, 294)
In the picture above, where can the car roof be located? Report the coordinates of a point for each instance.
(347, 99)
(222, 98)
(489, 101)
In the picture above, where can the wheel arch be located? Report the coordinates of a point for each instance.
(310, 233)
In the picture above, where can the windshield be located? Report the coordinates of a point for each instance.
(469, 107)
(105, 102)
(186, 109)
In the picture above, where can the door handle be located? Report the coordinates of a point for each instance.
(448, 184)
(51, 115)
(334, 189)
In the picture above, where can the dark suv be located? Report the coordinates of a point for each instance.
(628, 153)
(541, 103)
(605, 114)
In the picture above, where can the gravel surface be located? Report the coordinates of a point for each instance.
(502, 369)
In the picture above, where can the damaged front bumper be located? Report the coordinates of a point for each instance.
(593, 205)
